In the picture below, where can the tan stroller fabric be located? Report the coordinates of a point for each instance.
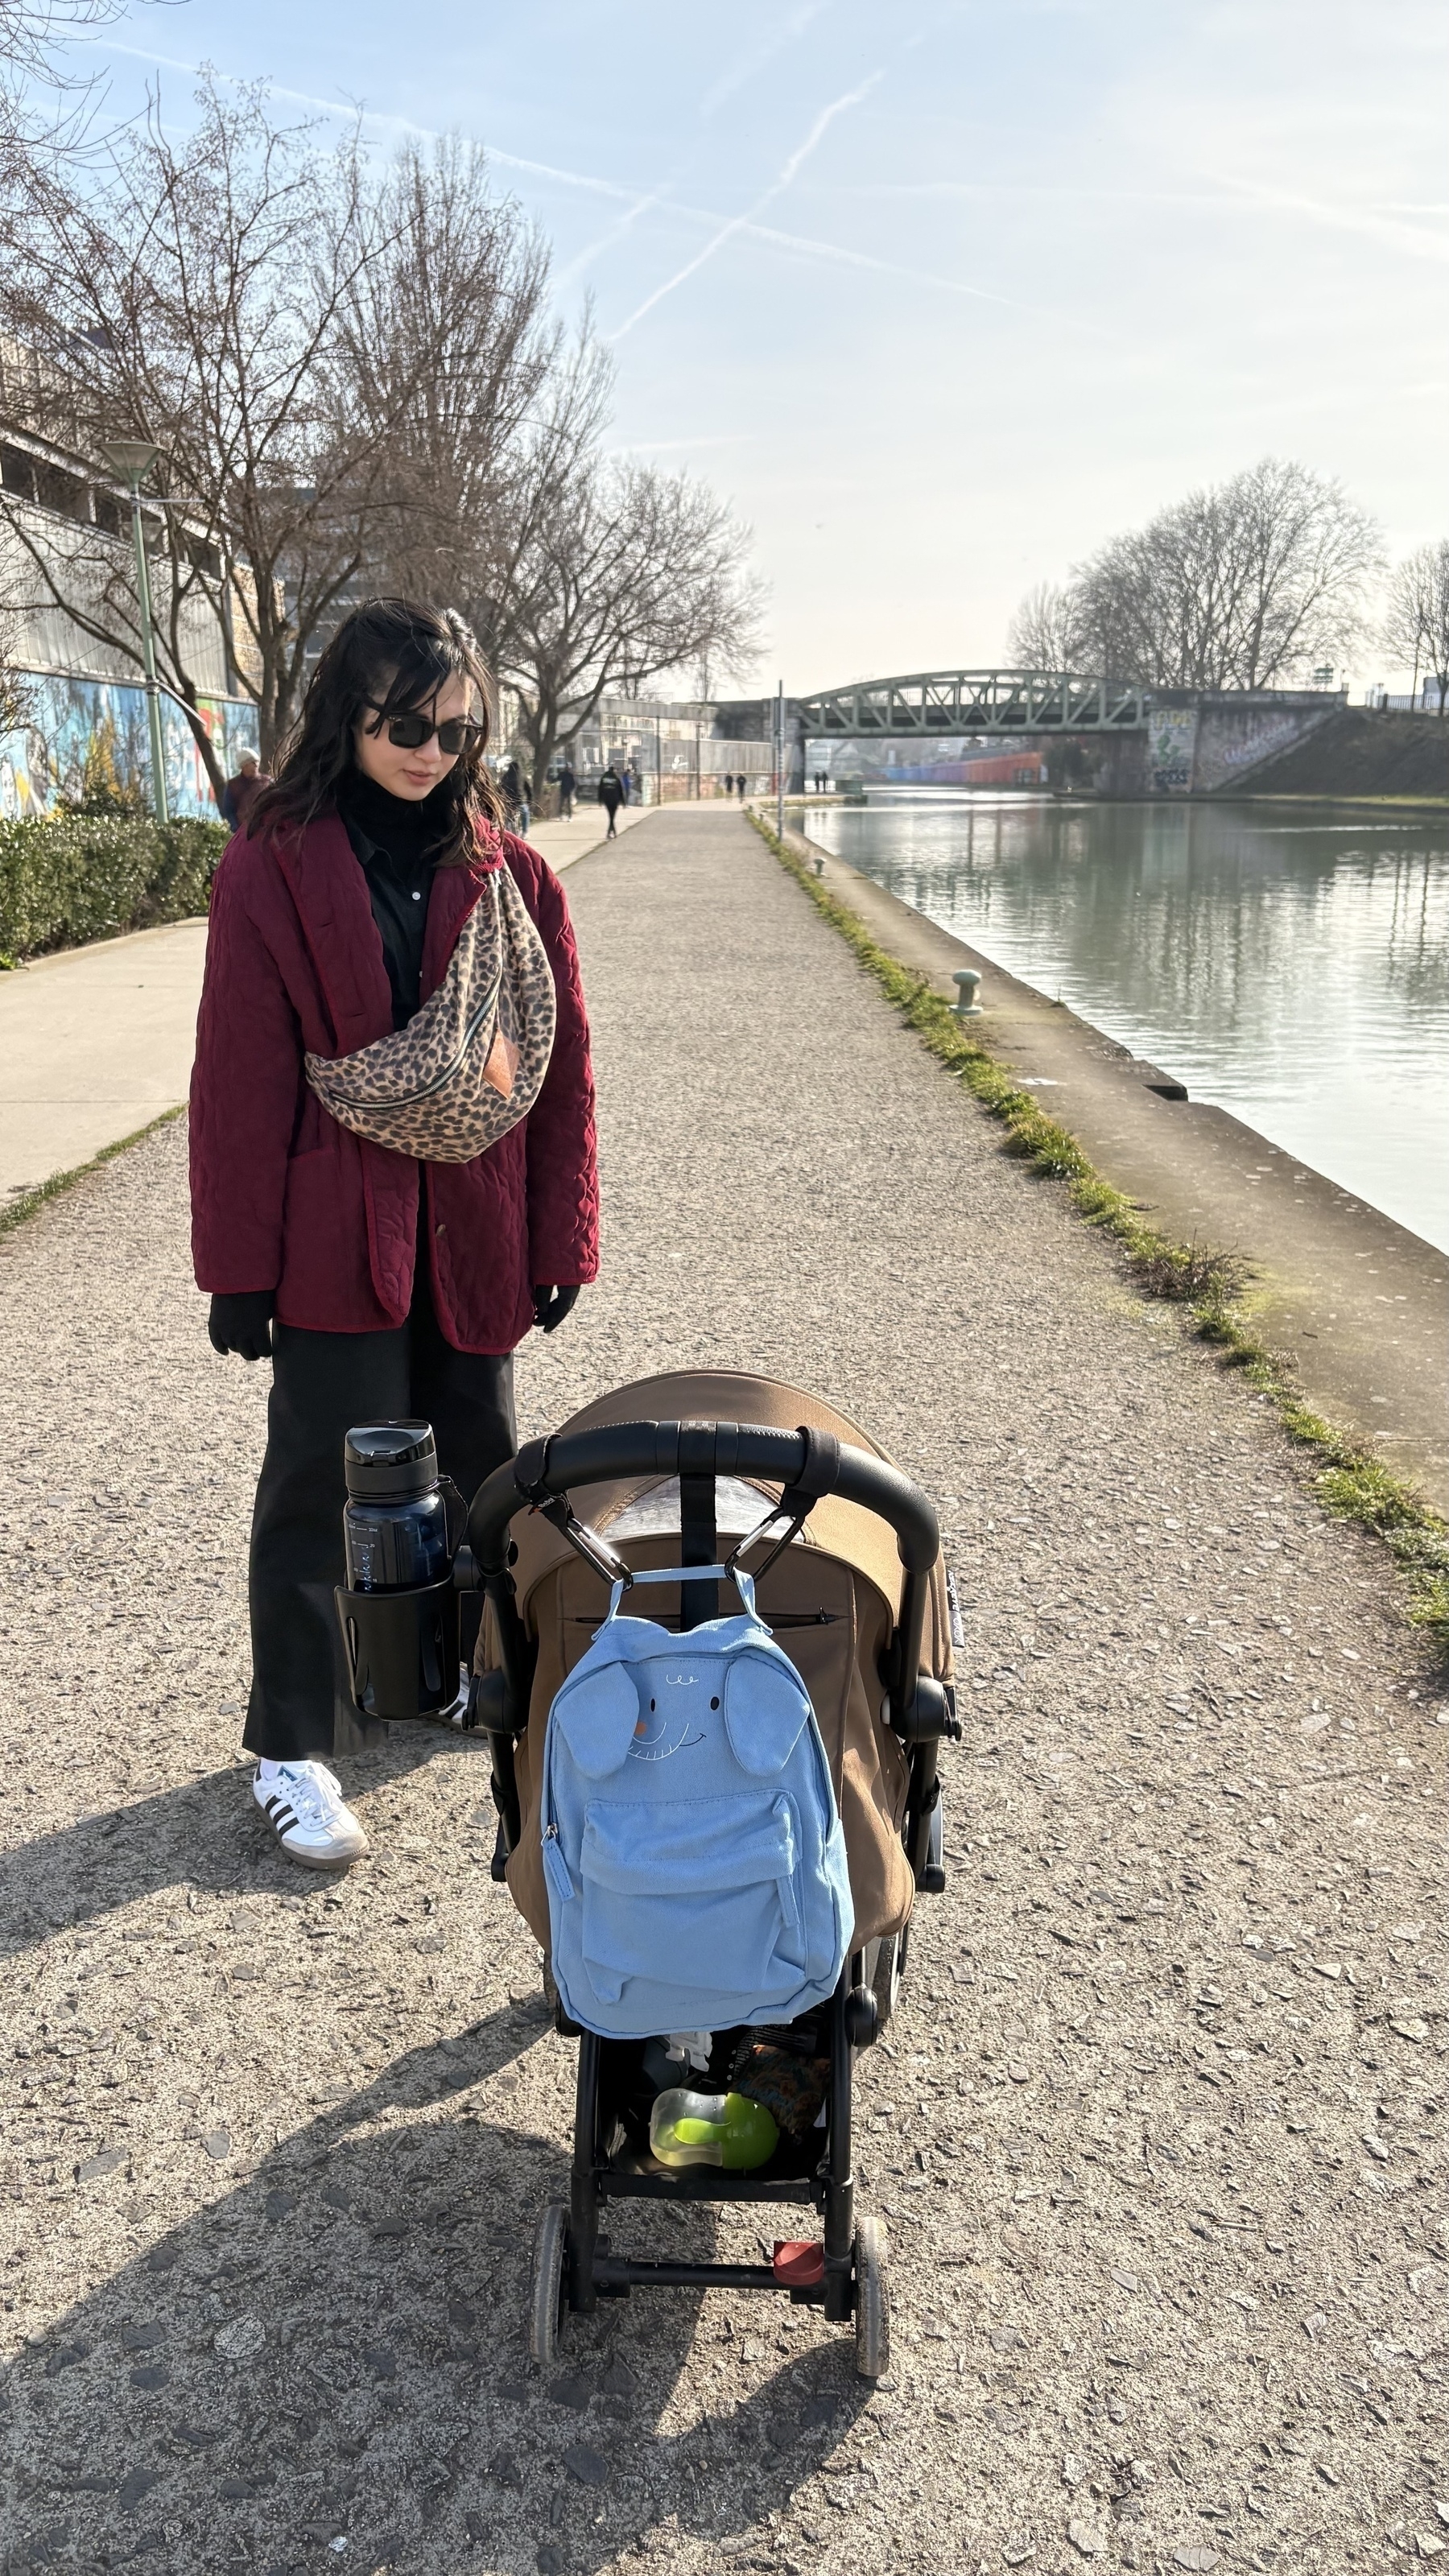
(830, 1598)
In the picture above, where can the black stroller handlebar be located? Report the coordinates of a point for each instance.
(625, 1449)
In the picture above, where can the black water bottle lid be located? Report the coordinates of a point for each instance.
(391, 1461)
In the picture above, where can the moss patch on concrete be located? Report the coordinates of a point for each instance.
(1351, 1482)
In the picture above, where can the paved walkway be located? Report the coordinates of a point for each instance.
(98, 1041)
(1155, 2134)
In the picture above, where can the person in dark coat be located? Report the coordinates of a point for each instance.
(379, 1285)
(567, 782)
(611, 797)
(241, 793)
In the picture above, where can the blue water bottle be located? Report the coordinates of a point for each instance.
(395, 1525)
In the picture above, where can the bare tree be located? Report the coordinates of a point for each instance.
(632, 573)
(1239, 586)
(1415, 629)
(196, 294)
(451, 345)
(1045, 633)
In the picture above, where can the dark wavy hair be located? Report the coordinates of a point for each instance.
(392, 654)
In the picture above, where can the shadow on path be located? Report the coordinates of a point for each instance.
(208, 1835)
(337, 2350)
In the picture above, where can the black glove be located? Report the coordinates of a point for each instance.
(243, 1323)
(550, 1305)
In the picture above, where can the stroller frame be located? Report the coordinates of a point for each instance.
(574, 2266)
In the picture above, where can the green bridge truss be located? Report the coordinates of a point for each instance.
(958, 702)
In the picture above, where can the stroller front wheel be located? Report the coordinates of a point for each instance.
(546, 2301)
(872, 2302)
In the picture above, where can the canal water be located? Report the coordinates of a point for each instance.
(1288, 964)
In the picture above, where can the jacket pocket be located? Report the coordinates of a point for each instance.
(700, 1895)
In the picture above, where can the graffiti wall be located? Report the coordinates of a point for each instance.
(85, 741)
(1171, 744)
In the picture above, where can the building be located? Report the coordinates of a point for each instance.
(75, 721)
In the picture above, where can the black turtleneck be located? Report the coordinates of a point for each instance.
(395, 840)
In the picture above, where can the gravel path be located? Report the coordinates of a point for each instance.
(1155, 2131)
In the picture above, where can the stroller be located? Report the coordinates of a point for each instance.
(685, 1472)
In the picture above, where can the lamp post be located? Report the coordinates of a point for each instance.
(780, 761)
(129, 459)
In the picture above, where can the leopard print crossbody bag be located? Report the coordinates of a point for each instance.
(468, 1065)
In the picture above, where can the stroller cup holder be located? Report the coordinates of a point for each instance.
(402, 1650)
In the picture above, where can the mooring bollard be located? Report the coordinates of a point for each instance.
(968, 985)
(820, 867)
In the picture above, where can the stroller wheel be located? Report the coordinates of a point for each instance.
(546, 2299)
(886, 1977)
(872, 2302)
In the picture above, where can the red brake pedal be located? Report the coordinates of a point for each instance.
(799, 2266)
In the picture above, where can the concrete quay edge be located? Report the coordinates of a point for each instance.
(1356, 1302)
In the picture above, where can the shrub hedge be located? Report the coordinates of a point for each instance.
(67, 878)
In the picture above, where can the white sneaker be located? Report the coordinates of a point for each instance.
(304, 1805)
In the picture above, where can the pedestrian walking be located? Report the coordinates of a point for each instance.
(510, 783)
(611, 796)
(741, 783)
(567, 782)
(240, 793)
(525, 808)
(381, 1280)
(729, 782)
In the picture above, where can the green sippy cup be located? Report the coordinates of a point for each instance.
(711, 2129)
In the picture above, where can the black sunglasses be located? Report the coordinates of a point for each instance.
(410, 732)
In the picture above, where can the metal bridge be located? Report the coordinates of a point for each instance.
(961, 702)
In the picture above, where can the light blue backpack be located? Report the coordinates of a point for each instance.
(694, 1855)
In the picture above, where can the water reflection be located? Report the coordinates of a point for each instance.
(1293, 969)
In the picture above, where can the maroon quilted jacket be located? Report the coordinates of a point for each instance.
(283, 1197)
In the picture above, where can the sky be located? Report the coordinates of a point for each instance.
(939, 295)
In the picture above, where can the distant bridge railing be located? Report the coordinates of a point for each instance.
(960, 702)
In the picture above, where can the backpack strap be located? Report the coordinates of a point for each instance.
(697, 1469)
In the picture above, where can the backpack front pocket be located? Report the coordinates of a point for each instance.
(701, 1895)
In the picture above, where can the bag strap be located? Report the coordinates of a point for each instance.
(698, 1600)
(712, 1574)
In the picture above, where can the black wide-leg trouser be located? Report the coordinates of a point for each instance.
(323, 1383)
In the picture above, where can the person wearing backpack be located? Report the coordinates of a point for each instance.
(382, 1279)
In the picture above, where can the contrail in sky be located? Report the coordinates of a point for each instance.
(737, 223)
(637, 202)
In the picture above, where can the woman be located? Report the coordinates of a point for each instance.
(611, 795)
(381, 1283)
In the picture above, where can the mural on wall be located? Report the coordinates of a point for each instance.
(1171, 743)
(86, 742)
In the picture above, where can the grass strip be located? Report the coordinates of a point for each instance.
(31, 1202)
(1352, 1484)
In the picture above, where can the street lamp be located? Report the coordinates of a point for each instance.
(129, 460)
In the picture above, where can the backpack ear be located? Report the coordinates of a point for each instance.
(598, 1712)
(765, 1708)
